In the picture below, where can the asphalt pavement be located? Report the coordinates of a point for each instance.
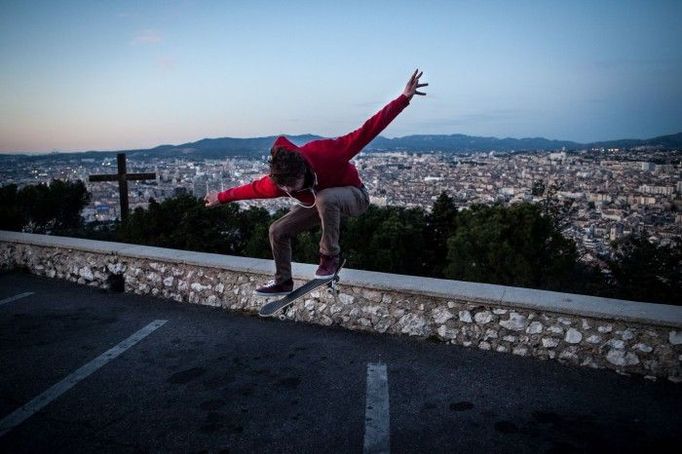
(86, 370)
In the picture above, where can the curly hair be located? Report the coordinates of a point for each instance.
(286, 166)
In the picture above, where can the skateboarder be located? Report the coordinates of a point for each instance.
(322, 182)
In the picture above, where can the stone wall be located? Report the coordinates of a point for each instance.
(628, 337)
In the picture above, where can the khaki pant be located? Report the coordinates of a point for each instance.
(331, 203)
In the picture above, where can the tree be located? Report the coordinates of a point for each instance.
(254, 224)
(441, 225)
(389, 239)
(538, 188)
(306, 246)
(644, 271)
(513, 245)
(11, 215)
(44, 208)
(555, 208)
(68, 200)
(184, 223)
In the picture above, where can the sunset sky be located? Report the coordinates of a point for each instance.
(116, 75)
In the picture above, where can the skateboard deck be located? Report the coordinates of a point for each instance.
(272, 308)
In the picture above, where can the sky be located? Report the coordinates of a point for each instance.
(117, 75)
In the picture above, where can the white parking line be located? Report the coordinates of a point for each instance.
(15, 297)
(23, 413)
(377, 417)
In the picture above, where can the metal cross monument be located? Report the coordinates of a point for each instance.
(122, 177)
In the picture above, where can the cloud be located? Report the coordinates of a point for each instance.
(166, 63)
(147, 37)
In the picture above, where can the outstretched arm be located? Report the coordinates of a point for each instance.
(263, 188)
(355, 141)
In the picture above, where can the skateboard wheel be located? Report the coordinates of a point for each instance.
(282, 317)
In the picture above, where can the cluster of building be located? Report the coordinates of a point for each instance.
(603, 194)
(600, 195)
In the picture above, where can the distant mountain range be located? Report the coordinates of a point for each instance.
(462, 143)
(453, 143)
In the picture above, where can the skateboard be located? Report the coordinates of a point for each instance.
(272, 308)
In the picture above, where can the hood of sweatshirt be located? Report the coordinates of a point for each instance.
(283, 142)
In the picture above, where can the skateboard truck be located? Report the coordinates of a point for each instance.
(333, 286)
(272, 308)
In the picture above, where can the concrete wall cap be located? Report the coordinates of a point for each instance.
(499, 295)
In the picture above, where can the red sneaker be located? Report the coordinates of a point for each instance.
(274, 289)
(329, 265)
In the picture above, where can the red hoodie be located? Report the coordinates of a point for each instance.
(328, 158)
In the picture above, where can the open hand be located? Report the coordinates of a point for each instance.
(211, 200)
(413, 84)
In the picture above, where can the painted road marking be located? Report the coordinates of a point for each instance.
(377, 417)
(23, 413)
(15, 297)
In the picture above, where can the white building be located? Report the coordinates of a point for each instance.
(663, 190)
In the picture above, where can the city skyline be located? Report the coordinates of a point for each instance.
(84, 76)
(611, 193)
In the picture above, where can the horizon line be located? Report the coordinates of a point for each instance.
(56, 151)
